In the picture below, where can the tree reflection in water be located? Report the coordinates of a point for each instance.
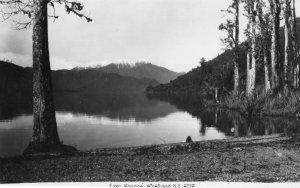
(234, 124)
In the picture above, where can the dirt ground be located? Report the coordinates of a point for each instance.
(258, 159)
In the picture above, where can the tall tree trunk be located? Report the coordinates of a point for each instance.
(287, 34)
(295, 53)
(217, 96)
(251, 61)
(248, 84)
(275, 11)
(296, 48)
(236, 45)
(236, 77)
(252, 67)
(265, 41)
(267, 78)
(296, 77)
(45, 127)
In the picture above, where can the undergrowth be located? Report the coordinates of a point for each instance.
(285, 102)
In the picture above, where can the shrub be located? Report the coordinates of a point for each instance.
(254, 104)
(284, 102)
(232, 101)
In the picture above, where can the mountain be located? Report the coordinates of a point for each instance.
(97, 81)
(15, 79)
(138, 70)
(16, 88)
(86, 91)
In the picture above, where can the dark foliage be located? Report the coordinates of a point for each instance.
(216, 73)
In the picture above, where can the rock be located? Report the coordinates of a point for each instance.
(237, 149)
(189, 140)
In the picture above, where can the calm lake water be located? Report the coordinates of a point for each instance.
(89, 121)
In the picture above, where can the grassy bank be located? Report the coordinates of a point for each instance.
(257, 159)
(281, 102)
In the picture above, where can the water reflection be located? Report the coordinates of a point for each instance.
(90, 132)
(122, 106)
(89, 121)
(233, 124)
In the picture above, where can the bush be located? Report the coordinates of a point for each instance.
(254, 105)
(285, 102)
(232, 101)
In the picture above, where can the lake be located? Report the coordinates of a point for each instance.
(89, 121)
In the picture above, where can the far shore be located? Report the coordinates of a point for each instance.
(271, 158)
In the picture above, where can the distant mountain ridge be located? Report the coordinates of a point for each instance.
(18, 80)
(137, 70)
(86, 91)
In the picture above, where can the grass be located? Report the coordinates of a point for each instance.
(257, 159)
(232, 101)
(284, 102)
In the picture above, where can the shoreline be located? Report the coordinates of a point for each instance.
(257, 159)
(162, 147)
(263, 114)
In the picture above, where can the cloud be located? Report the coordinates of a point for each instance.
(17, 43)
(13, 41)
(174, 34)
(62, 63)
(23, 60)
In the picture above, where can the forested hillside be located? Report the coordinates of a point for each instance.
(216, 73)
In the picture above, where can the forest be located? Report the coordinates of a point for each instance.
(258, 76)
(234, 118)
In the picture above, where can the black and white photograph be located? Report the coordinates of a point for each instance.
(150, 93)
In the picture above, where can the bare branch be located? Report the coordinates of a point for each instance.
(17, 9)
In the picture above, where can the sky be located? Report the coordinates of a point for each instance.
(174, 34)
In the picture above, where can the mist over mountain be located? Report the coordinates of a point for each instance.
(137, 70)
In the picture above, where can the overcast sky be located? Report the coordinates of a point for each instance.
(171, 33)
